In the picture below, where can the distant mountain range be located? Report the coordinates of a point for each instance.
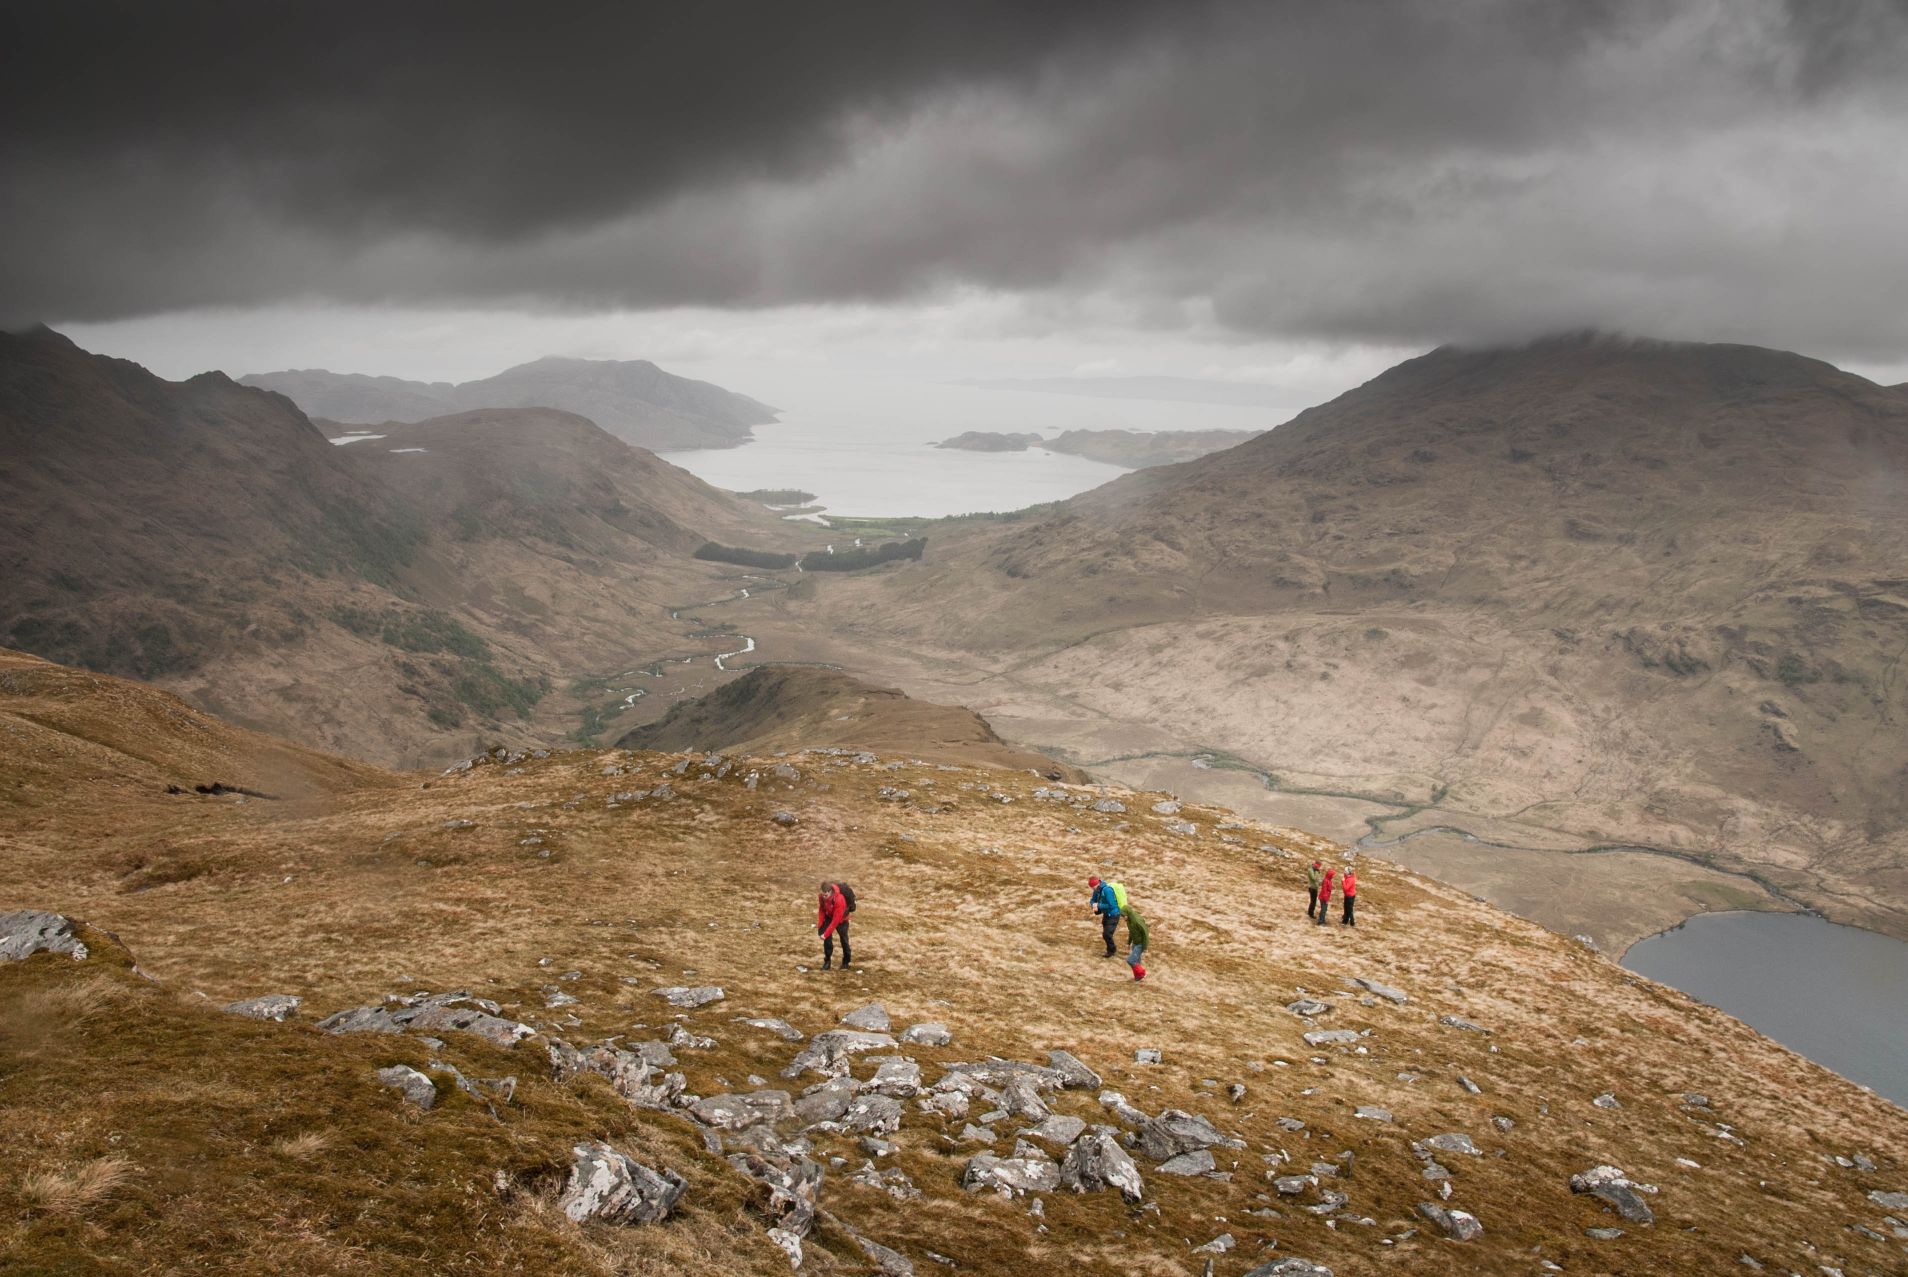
(398, 599)
(632, 399)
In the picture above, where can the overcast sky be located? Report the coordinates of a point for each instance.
(1251, 191)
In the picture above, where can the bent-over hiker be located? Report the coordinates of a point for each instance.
(831, 920)
(1136, 937)
(1106, 903)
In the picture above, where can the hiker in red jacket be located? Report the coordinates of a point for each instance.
(1348, 888)
(831, 920)
(1325, 895)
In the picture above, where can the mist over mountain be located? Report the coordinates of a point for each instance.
(632, 399)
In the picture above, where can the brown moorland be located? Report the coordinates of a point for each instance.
(147, 1129)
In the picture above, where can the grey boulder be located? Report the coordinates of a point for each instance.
(690, 997)
(827, 1053)
(1010, 1176)
(1096, 1161)
(873, 1018)
(1458, 1225)
(414, 1086)
(774, 1024)
(1176, 1131)
(1073, 1075)
(1196, 1163)
(930, 1034)
(1060, 1130)
(29, 931)
(1615, 1189)
(872, 1115)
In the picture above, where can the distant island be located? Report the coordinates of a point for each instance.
(778, 496)
(1130, 449)
(990, 441)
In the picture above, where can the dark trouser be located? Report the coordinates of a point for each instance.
(828, 945)
(1311, 905)
(1324, 908)
(1109, 922)
(1348, 920)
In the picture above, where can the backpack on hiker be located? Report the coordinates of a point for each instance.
(847, 894)
(1119, 894)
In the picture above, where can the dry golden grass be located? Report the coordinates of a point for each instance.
(972, 913)
(77, 1189)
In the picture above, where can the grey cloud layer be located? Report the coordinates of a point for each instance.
(1370, 170)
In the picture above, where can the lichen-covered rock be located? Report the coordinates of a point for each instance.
(1020, 1099)
(929, 1034)
(774, 1024)
(1331, 1037)
(1617, 1190)
(1458, 1225)
(1010, 1176)
(737, 1112)
(609, 1187)
(1198, 1162)
(872, 1115)
(826, 1101)
(897, 1077)
(1382, 990)
(29, 931)
(1059, 1130)
(1308, 1007)
(1096, 1161)
(416, 1088)
(629, 1074)
(1110, 806)
(277, 1007)
(1455, 1142)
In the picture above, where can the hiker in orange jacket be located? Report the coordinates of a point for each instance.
(1325, 895)
(831, 920)
(1348, 888)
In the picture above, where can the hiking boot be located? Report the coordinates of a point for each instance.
(829, 964)
(1139, 973)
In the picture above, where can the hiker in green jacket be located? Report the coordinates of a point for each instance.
(1136, 937)
(1312, 876)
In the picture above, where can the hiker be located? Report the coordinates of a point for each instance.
(1348, 888)
(1106, 902)
(1325, 895)
(1136, 938)
(835, 903)
(1312, 876)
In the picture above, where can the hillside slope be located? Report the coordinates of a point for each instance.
(1588, 593)
(786, 707)
(400, 598)
(1469, 1061)
(631, 399)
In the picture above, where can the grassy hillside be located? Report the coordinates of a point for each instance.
(532, 881)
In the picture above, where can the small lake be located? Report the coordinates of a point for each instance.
(1836, 994)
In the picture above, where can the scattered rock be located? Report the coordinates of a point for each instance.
(1059, 1129)
(1308, 1007)
(1603, 1234)
(1613, 1187)
(683, 1040)
(1331, 1037)
(929, 1034)
(29, 931)
(779, 1027)
(1020, 1099)
(1184, 828)
(1382, 990)
(1148, 1055)
(277, 1007)
(1110, 806)
(827, 1053)
(1470, 1087)
(893, 1181)
(739, 1112)
(417, 1088)
(1096, 1161)
(1198, 1162)
(609, 1187)
(697, 996)
(1455, 1142)
(1010, 1177)
(1074, 1076)
(1607, 1101)
(1889, 1201)
(873, 1115)
(1176, 1131)
(898, 1077)
(1167, 808)
(629, 1075)
(1217, 1246)
(873, 1018)
(1458, 1225)
(1372, 1112)
(783, 817)
(1291, 1267)
(1459, 1022)
(826, 1101)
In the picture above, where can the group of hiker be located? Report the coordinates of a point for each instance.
(836, 901)
(1320, 879)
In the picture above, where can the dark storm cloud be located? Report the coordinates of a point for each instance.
(1374, 169)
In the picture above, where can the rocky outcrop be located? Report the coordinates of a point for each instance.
(1176, 1131)
(277, 1007)
(690, 998)
(414, 1086)
(1011, 1176)
(1458, 1225)
(1617, 1190)
(629, 1074)
(432, 1013)
(828, 1053)
(606, 1186)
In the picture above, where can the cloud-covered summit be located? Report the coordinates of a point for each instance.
(1381, 171)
